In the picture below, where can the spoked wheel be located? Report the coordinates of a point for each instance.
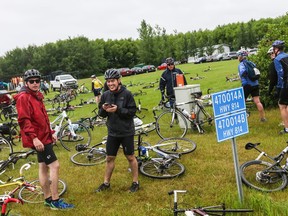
(176, 145)
(32, 192)
(255, 174)
(156, 169)
(5, 149)
(89, 157)
(167, 127)
(82, 135)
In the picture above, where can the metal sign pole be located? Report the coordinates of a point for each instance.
(237, 173)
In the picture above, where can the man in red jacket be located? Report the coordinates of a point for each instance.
(37, 134)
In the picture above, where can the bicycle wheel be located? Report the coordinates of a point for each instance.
(156, 169)
(3, 115)
(68, 141)
(5, 149)
(32, 192)
(176, 145)
(254, 175)
(167, 127)
(89, 157)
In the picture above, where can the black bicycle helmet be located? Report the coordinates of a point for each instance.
(169, 60)
(112, 74)
(31, 73)
(278, 44)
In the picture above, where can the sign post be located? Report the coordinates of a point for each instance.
(231, 121)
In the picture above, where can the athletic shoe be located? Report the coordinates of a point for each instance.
(60, 205)
(134, 187)
(263, 120)
(102, 187)
(48, 204)
(283, 132)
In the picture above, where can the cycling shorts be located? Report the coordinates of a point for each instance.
(283, 96)
(251, 90)
(113, 144)
(47, 156)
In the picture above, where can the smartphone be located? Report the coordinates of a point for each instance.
(107, 105)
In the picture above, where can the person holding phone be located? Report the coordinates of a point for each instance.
(118, 105)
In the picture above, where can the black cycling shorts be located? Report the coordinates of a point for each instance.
(283, 96)
(113, 144)
(97, 91)
(47, 156)
(251, 90)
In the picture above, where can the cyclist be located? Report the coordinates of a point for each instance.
(250, 87)
(281, 66)
(272, 75)
(168, 80)
(118, 105)
(36, 134)
(96, 88)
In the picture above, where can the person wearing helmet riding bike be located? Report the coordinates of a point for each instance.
(118, 105)
(168, 80)
(36, 134)
(281, 66)
(250, 87)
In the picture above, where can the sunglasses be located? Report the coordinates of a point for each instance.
(32, 81)
(169, 64)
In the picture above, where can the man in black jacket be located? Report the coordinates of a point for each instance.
(168, 80)
(118, 105)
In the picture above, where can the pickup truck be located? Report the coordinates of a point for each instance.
(64, 81)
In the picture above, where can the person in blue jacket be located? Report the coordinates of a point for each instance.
(250, 87)
(281, 66)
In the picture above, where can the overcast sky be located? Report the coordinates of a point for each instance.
(36, 22)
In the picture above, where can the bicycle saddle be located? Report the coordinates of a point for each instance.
(249, 146)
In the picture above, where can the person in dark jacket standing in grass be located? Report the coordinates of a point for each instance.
(36, 134)
(168, 80)
(118, 105)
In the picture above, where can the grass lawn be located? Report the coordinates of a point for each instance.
(209, 176)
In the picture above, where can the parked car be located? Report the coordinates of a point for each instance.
(200, 60)
(218, 57)
(252, 51)
(137, 70)
(125, 71)
(230, 55)
(163, 66)
(209, 58)
(149, 68)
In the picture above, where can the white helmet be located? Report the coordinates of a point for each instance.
(270, 51)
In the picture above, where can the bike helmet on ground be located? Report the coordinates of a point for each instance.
(112, 74)
(278, 44)
(242, 53)
(270, 51)
(169, 60)
(32, 73)
(93, 76)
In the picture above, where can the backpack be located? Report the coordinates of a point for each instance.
(252, 72)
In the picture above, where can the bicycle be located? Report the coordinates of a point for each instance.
(29, 191)
(166, 165)
(71, 132)
(173, 122)
(96, 120)
(89, 156)
(5, 148)
(204, 211)
(6, 111)
(4, 200)
(9, 130)
(263, 175)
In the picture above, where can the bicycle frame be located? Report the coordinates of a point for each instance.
(60, 118)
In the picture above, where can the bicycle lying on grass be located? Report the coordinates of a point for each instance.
(165, 165)
(204, 211)
(263, 175)
(29, 191)
(173, 122)
(71, 133)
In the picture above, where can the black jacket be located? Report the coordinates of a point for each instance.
(168, 81)
(121, 122)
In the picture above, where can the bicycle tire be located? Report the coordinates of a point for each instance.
(273, 181)
(83, 136)
(227, 210)
(5, 149)
(3, 115)
(166, 129)
(177, 145)
(33, 193)
(152, 169)
(90, 157)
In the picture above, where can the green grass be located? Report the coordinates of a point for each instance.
(209, 176)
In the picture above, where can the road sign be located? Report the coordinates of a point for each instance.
(231, 126)
(229, 101)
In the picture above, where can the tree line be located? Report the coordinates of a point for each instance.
(85, 57)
